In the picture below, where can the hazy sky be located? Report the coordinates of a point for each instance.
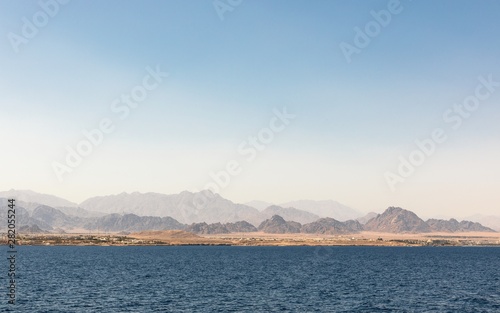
(230, 67)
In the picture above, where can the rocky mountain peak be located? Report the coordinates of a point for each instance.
(397, 220)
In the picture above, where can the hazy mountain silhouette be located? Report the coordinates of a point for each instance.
(490, 221)
(330, 226)
(325, 208)
(186, 207)
(364, 219)
(29, 196)
(290, 214)
(218, 228)
(453, 225)
(218, 215)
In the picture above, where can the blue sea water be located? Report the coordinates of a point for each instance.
(256, 279)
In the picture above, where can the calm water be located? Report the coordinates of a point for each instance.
(256, 279)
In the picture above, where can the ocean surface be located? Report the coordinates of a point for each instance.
(256, 279)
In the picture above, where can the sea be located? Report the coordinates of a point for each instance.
(254, 279)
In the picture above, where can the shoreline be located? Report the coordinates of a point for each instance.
(182, 238)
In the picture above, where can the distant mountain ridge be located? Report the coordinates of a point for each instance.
(453, 226)
(398, 220)
(222, 216)
(488, 221)
(277, 225)
(325, 208)
(218, 228)
(29, 196)
(183, 207)
(186, 207)
(259, 205)
(131, 223)
(364, 219)
(330, 226)
(290, 214)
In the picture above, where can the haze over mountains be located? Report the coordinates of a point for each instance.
(188, 207)
(325, 226)
(31, 197)
(290, 214)
(489, 221)
(154, 211)
(325, 208)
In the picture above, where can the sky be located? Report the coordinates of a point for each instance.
(369, 103)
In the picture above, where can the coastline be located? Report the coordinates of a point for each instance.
(181, 238)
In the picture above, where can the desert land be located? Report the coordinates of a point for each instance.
(179, 237)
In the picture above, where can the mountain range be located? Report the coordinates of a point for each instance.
(186, 207)
(325, 208)
(153, 211)
(30, 198)
(398, 220)
(487, 220)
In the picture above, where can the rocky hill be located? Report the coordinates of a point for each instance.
(33, 229)
(23, 218)
(397, 220)
(240, 227)
(290, 214)
(364, 219)
(29, 196)
(206, 229)
(277, 225)
(325, 208)
(186, 207)
(54, 217)
(259, 205)
(453, 225)
(69, 219)
(490, 221)
(218, 228)
(330, 226)
(131, 223)
(354, 225)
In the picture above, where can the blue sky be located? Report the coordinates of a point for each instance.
(353, 120)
